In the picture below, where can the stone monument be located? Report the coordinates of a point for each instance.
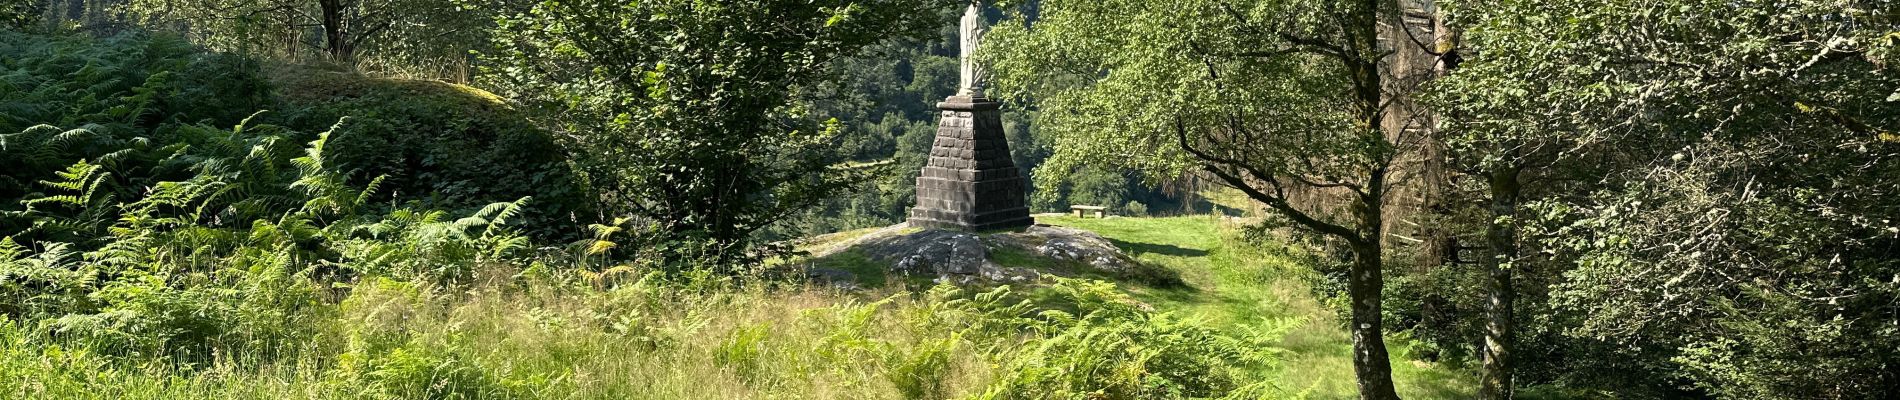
(971, 183)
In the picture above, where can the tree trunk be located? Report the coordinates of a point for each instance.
(335, 37)
(1366, 287)
(1501, 237)
(1369, 359)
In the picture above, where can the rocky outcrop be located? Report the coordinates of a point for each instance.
(1074, 245)
(944, 255)
(969, 258)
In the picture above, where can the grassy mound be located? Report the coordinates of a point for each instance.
(447, 145)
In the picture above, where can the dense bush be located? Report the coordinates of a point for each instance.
(148, 109)
(133, 226)
(448, 146)
(18, 13)
(88, 123)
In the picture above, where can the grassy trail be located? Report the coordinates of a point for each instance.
(1246, 290)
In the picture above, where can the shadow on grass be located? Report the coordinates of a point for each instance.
(1174, 292)
(1138, 248)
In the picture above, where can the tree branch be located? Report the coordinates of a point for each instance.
(1277, 202)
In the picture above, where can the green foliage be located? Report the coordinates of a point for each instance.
(165, 274)
(1097, 344)
(683, 112)
(1161, 52)
(445, 146)
(1705, 176)
(923, 372)
(418, 37)
(19, 14)
(1709, 191)
(122, 83)
(542, 329)
(149, 238)
(1287, 101)
(1098, 187)
(1783, 324)
(1135, 208)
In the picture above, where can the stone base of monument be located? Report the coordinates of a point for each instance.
(970, 182)
(1013, 257)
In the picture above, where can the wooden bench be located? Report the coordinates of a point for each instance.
(1100, 212)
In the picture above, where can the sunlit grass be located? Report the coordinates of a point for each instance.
(522, 335)
(1242, 288)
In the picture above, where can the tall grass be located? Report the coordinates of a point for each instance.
(523, 335)
(1265, 290)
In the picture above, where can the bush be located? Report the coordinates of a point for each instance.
(19, 13)
(450, 146)
(1136, 208)
(139, 234)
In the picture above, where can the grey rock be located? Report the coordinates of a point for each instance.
(1074, 245)
(1011, 275)
(930, 252)
(965, 258)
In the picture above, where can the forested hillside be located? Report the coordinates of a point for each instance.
(679, 199)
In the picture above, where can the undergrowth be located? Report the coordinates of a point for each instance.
(157, 244)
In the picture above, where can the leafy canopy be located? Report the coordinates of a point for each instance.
(683, 110)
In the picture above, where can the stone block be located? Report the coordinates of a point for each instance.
(970, 181)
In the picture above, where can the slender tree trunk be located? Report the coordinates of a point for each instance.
(335, 38)
(1366, 287)
(1501, 237)
(1369, 358)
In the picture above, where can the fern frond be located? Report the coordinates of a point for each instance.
(469, 222)
(239, 129)
(508, 244)
(374, 186)
(75, 177)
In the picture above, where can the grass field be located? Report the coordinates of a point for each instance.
(1244, 289)
(535, 334)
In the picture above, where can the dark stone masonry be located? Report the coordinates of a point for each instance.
(970, 183)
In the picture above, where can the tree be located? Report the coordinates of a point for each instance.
(1710, 223)
(1292, 102)
(17, 14)
(683, 110)
(339, 30)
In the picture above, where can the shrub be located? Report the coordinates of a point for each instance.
(448, 146)
(923, 371)
(1136, 208)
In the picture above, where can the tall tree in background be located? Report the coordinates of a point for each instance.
(1721, 160)
(1287, 101)
(421, 31)
(683, 110)
(19, 13)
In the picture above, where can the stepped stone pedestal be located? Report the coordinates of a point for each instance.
(970, 183)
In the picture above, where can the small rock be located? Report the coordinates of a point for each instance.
(833, 277)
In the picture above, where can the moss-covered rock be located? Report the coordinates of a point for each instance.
(983, 258)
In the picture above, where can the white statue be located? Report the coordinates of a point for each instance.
(971, 34)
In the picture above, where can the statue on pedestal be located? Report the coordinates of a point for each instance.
(971, 183)
(970, 34)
